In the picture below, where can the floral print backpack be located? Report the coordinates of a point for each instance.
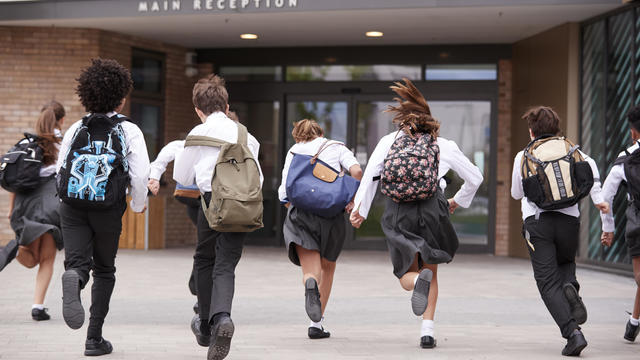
(411, 168)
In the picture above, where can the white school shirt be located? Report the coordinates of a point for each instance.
(610, 188)
(530, 209)
(197, 163)
(451, 158)
(137, 157)
(166, 155)
(49, 170)
(335, 155)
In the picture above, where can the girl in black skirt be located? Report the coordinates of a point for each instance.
(419, 233)
(314, 242)
(34, 216)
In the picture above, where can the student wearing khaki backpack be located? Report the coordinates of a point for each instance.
(220, 156)
(550, 176)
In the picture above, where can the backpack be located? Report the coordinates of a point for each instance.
(554, 173)
(95, 172)
(631, 164)
(411, 168)
(236, 193)
(20, 167)
(314, 186)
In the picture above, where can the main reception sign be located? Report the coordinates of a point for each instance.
(204, 5)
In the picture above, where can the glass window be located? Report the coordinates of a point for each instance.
(251, 73)
(146, 73)
(462, 72)
(330, 115)
(149, 118)
(353, 72)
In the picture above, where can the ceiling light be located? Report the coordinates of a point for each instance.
(248, 36)
(374, 34)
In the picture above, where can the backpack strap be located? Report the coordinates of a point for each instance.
(323, 147)
(243, 134)
(198, 140)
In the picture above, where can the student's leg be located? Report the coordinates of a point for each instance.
(326, 281)
(310, 262)
(45, 270)
(204, 259)
(433, 293)
(407, 281)
(107, 226)
(544, 259)
(636, 274)
(29, 256)
(227, 255)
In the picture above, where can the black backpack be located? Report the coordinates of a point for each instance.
(631, 164)
(20, 167)
(95, 172)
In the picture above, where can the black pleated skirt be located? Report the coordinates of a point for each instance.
(313, 232)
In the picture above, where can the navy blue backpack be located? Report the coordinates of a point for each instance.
(314, 186)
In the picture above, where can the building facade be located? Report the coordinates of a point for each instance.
(479, 65)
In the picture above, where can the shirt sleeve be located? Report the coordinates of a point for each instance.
(254, 147)
(184, 169)
(516, 178)
(166, 155)
(470, 173)
(282, 190)
(138, 159)
(65, 144)
(609, 190)
(368, 186)
(347, 159)
(596, 189)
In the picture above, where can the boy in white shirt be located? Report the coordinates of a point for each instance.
(552, 238)
(217, 254)
(625, 169)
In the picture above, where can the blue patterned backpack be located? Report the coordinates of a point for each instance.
(95, 172)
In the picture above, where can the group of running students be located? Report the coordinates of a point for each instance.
(81, 197)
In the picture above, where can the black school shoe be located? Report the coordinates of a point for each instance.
(202, 337)
(40, 314)
(428, 342)
(631, 332)
(72, 310)
(221, 342)
(312, 303)
(420, 297)
(93, 347)
(578, 310)
(315, 333)
(8, 253)
(575, 344)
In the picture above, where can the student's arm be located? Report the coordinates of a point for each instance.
(282, 190)
(65, 144)
(596, 189)
(470, 173)
(609, 190)
(138, 159)
(166, 155)
(516, 178)
(254, 147)
(348, 162)
(184, 166)
(367, 190)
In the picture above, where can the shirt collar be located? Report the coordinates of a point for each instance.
(217, 116)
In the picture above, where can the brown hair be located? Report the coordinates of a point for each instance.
(49, 120)
(542, 120)
(412, 113)
(233, 116)
(210, 95)
(306, 130)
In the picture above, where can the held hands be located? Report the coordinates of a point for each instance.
(606, 239)
(349, 207)
(356, 219)
(453, 205)
(153, 186)
(603, 207)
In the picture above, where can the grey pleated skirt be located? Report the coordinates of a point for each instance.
(313, 232)
(36, 213)
(419, 227)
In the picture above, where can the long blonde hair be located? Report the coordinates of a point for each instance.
(412, 113)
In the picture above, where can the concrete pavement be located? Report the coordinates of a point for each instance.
(489, 308)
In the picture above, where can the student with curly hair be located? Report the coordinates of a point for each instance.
(34, 215)
(94, 201)
(410, 165)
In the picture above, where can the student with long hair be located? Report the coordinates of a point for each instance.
(315, 242)
(34, 215)
(416, 224)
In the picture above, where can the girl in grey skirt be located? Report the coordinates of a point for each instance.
(419, 233)
(314, 242)
(34, 216)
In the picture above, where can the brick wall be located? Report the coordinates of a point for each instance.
(38, 64)
(504, 158)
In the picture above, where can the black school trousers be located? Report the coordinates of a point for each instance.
(91, 243)
(552, 240)
(217, 255)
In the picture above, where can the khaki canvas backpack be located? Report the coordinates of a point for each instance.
(554, 173)
(236, 194)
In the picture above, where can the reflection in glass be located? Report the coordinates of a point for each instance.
(353, 72)
(148, 118)
(251, 73)
(261, 119)
(462, 72)
(330, 115)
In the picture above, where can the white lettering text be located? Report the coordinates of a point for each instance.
(293, 3)
(232, 4)
(209, 5)
(142, 6)
(245, 3)
(197, 5)
(221, 4)
(279, 3)
(257, 3)
(175, 5)
(155, 6)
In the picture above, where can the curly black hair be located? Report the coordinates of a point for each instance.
(634, 117)
(103, 85)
